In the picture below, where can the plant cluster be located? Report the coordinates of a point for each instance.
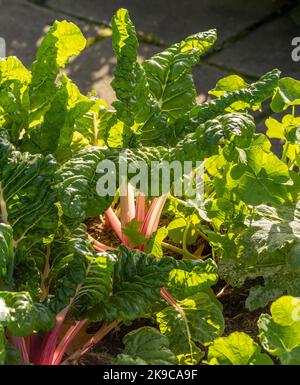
(56, 279)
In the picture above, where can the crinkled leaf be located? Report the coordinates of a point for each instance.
(79, 277)
(22, 316)
(183, 284)
(205, 141)
(27, 202)
(146, 346)
(267, 247)
(135, 106)
(76, 185)
(254, 94)
(55, 133)
(169, 73)
(63, 41)
(138, 278)
(6, 254)
(198, 319)
(12, 355)
(14, 100)
(275, 285)
(271, 228)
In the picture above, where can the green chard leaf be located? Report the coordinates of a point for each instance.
(8, 353)
(135, 106)
(14, 99)
(51, 121)
(75, 184)
(22, 316)
(254, 94)
(196, 319)
(27, 202)
(79, 278)
(55, 134)
(6, 255)
(63, 41)
(146, 346)
(170, 77)
(183, 284)
(153, 95)
(12, 355)
(267, 247)
(138, 278)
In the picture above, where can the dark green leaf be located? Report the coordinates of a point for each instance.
(146, 346)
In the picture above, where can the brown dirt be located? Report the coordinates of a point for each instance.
(237, 317)
(100, 230)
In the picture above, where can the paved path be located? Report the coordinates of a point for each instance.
(254, 35)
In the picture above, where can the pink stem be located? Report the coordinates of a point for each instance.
(127, 206)
(127, 210)
(168, 297)
(20, 344)
(103, 248)
(140, 207)
(114, 222)
(153, 216)
(148, 215)
(66, 340)
(98, 245)
(101, 333)
(36, 341)
(50, 340)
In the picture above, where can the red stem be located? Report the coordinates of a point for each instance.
(153, 216)
(98, 245)
(102, 332)
(114, 222)
(20, 344)
(140, 212)
(36, 342)
(127, 210)
(168, 297)
(127, 206)
(149, 214)
(66, 340)
(104, 248)
(50, 340)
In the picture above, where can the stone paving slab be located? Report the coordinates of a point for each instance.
(268, 47)
(22, 25)
(173, 20)
(93, 69)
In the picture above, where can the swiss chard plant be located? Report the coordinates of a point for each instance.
(56, 279)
